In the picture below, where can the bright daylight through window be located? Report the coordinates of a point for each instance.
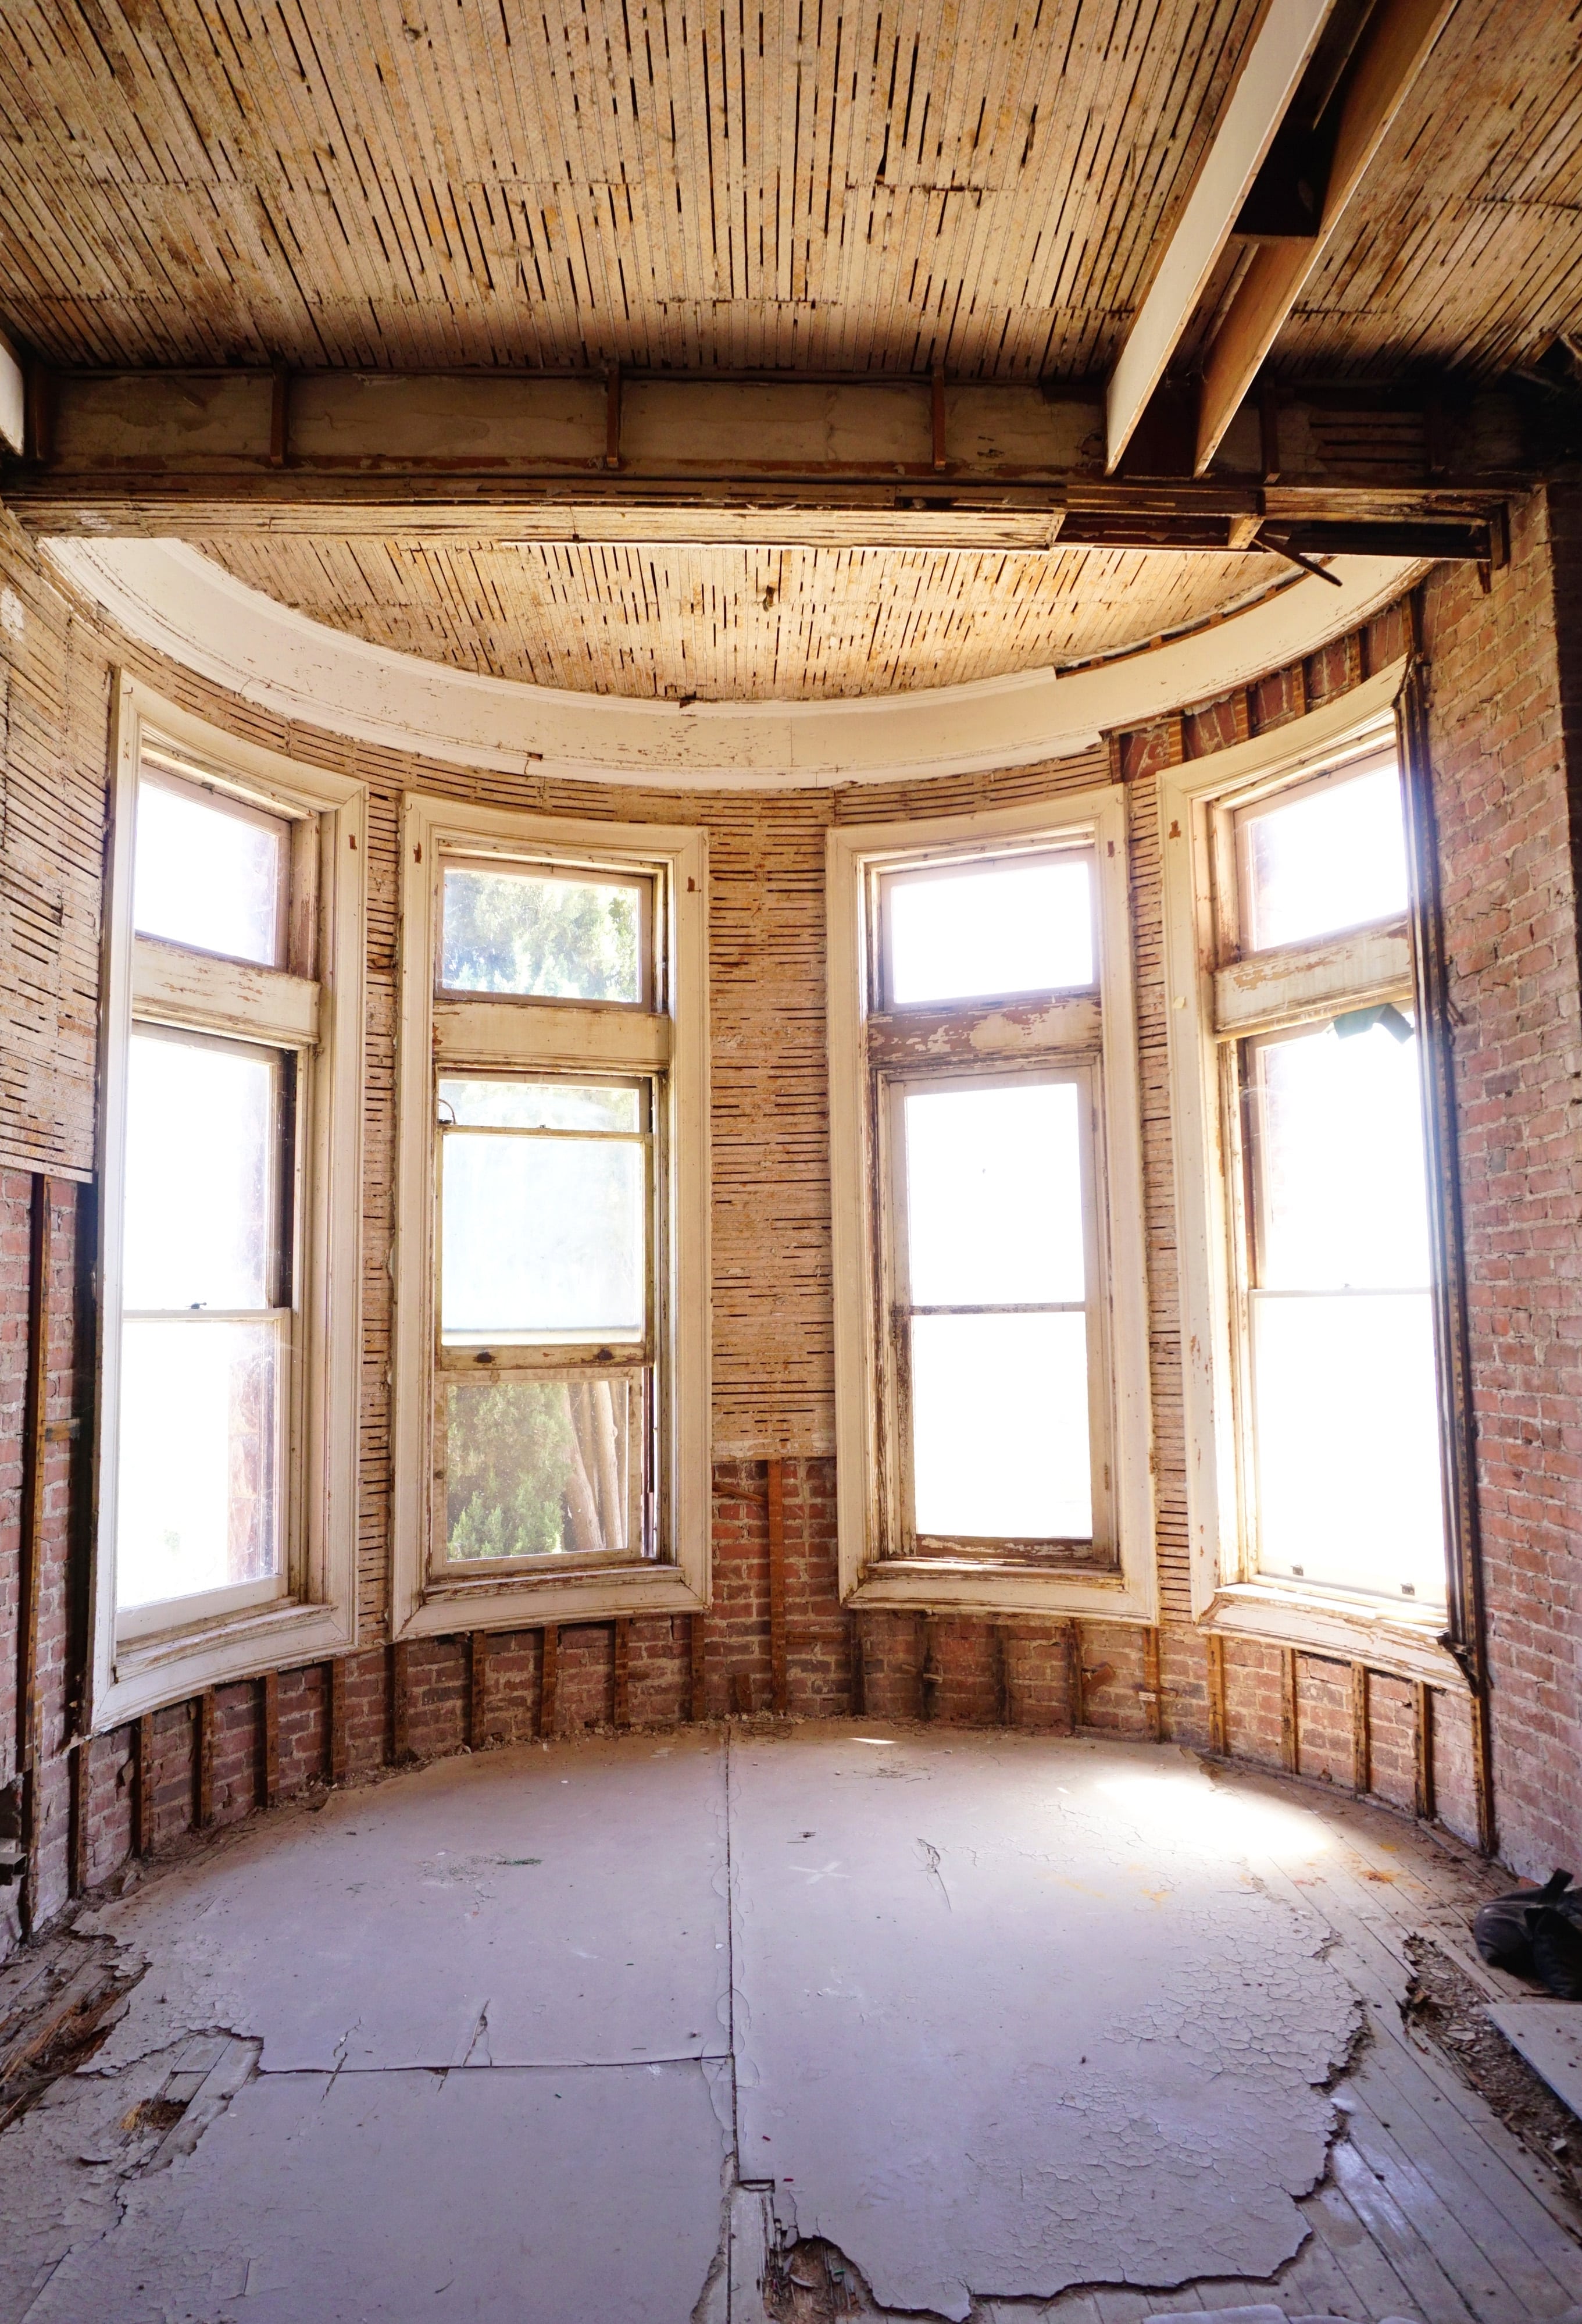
(546, 1237)
(995, 1367)
(211, 1206)
(1324, 1102)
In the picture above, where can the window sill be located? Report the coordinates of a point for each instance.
(1386, 1637)
(150, 1672)
(950, 1585)
(526, 1601)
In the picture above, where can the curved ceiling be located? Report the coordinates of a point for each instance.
(736, 625)
(187, 607)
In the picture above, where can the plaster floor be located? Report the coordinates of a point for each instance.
(591, 2034)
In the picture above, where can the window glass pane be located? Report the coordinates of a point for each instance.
(999, 1428)
(1005, 927)
(562, 939)
(208, 876)
(542, 1237)
(541, 1105)
(537, 1467)
(1347, 1446)
(201, 1130)
(1338, 1147)
(1333, 858)
(994, 1195)
(198, 1493)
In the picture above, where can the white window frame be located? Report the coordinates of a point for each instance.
(136, 1667)
(474, 1033)
(1011, 1034)
(1204, 1004)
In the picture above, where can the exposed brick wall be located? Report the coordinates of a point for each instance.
(1504, 697)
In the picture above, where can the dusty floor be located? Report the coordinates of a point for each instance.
(797, 2023)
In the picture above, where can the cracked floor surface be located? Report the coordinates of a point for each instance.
(647, 2029)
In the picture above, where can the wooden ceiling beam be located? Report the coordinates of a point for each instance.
(1392, 50)
(866, 462)
(1271, 70)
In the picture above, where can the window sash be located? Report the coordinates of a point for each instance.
(650, 997)
(902, 1538)
(640, 1494)
(184, 993)
(154, 1618)
(543, 1038)
(546, 1351)
(883, 880)
(1236, 820)
(1255, 996)
(215, 798)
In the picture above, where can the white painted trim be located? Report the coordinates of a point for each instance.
(1254, 111)
(1222, 1596)
(1132, 1594)
(139, 1675)
(12, 400)
(169, 596)
(421, 1607)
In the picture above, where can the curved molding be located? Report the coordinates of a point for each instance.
(166, 596)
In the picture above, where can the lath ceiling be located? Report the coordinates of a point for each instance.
(1465, 244)
(881, 184)
(732, 623)
(832, 184)
(431, 183)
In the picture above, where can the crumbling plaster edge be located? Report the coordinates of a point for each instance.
(168, 595)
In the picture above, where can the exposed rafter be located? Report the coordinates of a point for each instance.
(1393, 47)
(1272, 69)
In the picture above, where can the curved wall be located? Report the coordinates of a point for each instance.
(771, 1319)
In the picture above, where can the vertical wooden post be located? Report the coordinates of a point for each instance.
(267, 1778)
(31, 1541)
(1361, 1741)
(401, 1706)
(1152, 1696)
(778, 1690)
(79, 1807)
(1290, 1729)
(1214, 1649)
(698, 1643)
(620, 1706)
(929, 1676)
(340, 1749)
(143, 1784)
(1422, 1750)
(203, 1760)
(1076, 1683)
(1483, 1771)
(477, 1690)
(548, 1679)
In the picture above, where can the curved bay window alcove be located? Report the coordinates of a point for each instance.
(790, 1162)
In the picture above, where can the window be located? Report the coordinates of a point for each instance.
(553, 1315)
(1308, 1235)
(229, 1217)
(991, 1396)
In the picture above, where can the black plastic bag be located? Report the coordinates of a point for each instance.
(1557, 1951)
(1502, 1927)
